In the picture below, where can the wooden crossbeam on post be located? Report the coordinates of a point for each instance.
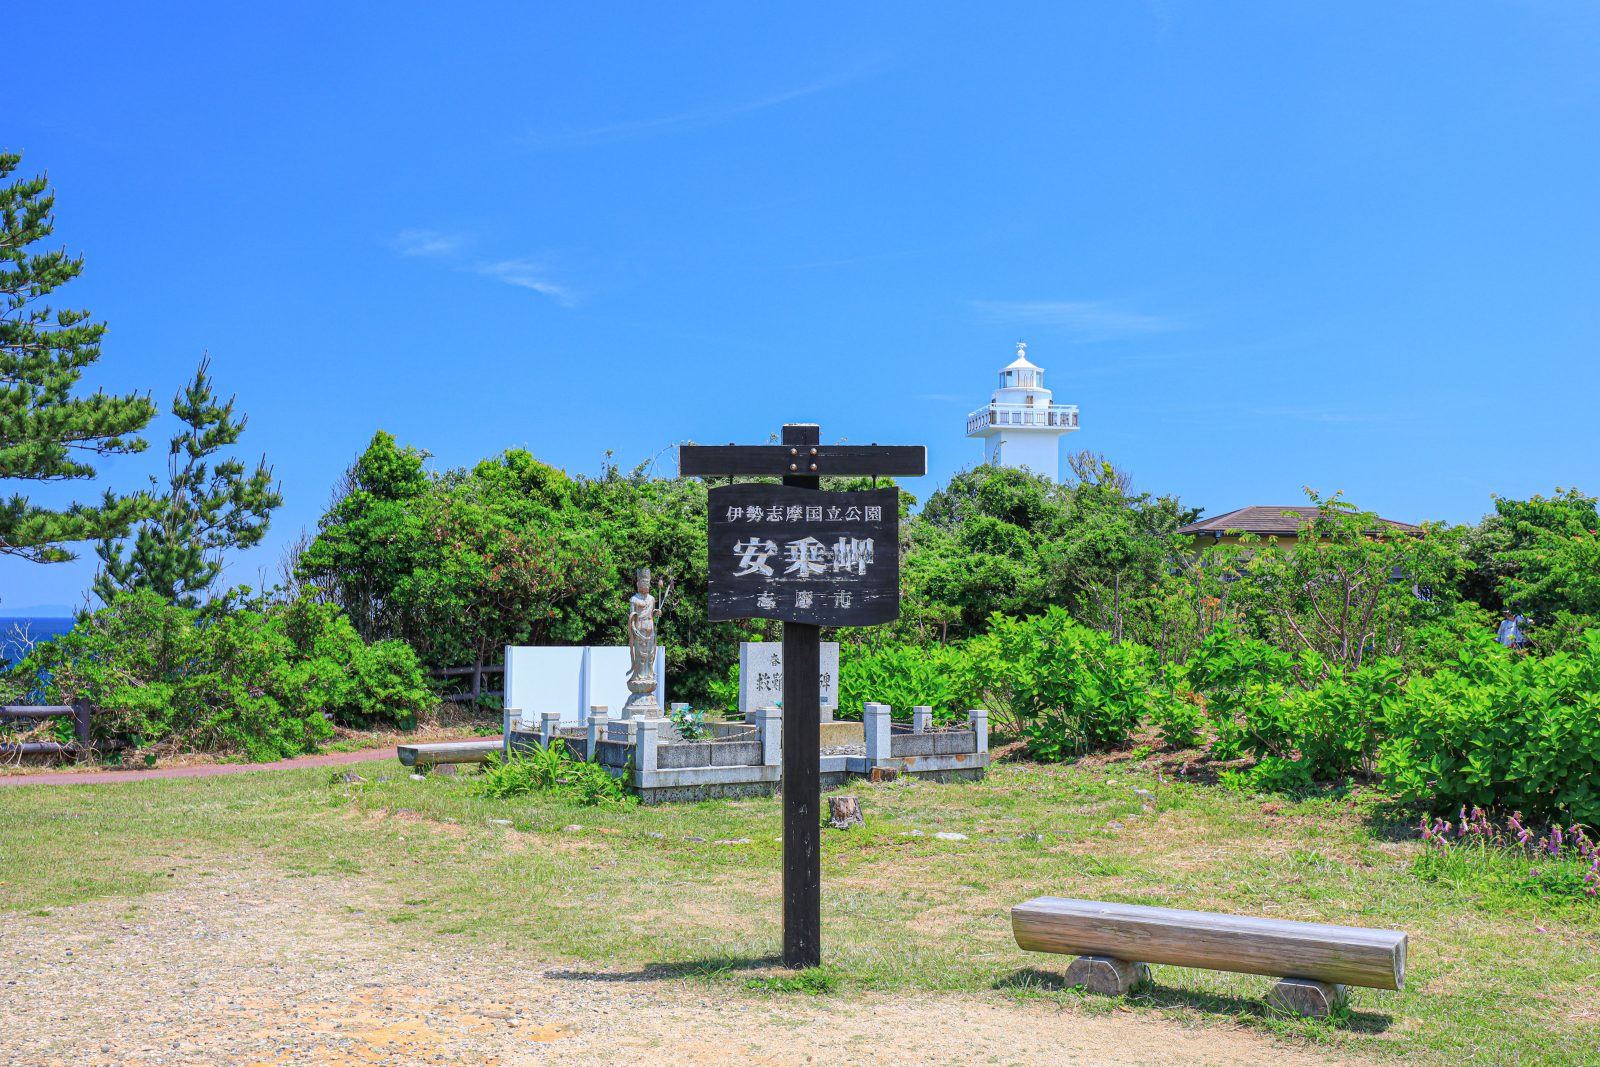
(808, 559)
(802, 458)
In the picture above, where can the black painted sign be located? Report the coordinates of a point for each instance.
(803, 555)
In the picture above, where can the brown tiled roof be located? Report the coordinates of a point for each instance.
(1267, 520)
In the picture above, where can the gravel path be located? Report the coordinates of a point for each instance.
(248, 965)
(210, 770)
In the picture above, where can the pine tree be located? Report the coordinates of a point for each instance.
(46, 433)
(206, 510)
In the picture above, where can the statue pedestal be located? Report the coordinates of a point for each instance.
(642, 703)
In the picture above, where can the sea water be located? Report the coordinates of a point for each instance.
(18, 635)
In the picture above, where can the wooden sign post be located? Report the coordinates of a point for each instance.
(810, 559)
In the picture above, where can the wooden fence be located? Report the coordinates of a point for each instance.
(79, 713)
(474, 676)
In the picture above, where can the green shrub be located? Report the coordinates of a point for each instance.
(1501, 730)
(903, 676)
(386, 687)
(1301, 718)
(550, 770)
(352, 683)
(1180, 717)
(267, 682)
(1065, 687)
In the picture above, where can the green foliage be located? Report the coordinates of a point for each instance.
(1501, 730)
(1066, 687)
(45, 431)
(369, 540)
(1553, 558)
(551, 771)
(1300, 716)
(205, 511)
(1180, 717)
(974, 550)
(1349, 587)
(267, 682)
(512, 551)
(1114, 546)
(690, 722)
(814, 981)
(904, 676)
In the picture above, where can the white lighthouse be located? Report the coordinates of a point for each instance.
(1022, 426)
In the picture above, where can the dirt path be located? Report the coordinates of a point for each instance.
(251, 966)
(209, 770)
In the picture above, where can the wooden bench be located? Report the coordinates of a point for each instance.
(1115, 943)
(424, 758)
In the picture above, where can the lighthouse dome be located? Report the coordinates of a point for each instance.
(1020, 373)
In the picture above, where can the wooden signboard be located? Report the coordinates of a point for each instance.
(802, 555)
(812, 559)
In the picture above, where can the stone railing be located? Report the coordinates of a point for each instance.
(746, 758)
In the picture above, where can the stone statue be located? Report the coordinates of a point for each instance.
(642, 615)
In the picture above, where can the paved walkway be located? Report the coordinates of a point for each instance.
(206, 770)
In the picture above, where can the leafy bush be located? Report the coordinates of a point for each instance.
(1501, 730)
(1180, 717)
(1066, 687)
(690, 722)
(550, 770)
(903, 676)
(266, 681)
(1300, 717)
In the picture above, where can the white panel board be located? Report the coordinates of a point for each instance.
(608, 678)
(541, 679)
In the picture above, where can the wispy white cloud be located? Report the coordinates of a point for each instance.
(1089, 320)
(527, 275)
(699, 118)
(1338, 416)
(448, 248)
(426, 243)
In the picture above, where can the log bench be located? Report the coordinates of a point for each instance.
(1115, 943)
(424, 758)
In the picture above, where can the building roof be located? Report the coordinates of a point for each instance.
(1267, 520)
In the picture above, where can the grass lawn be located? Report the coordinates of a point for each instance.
(1496, 975)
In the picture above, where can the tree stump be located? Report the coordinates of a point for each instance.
(844, 812)
(1106, 976)
(1306, 997)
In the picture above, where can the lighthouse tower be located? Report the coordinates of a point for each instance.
(1022, 425)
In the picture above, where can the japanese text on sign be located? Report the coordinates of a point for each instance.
(803, 555)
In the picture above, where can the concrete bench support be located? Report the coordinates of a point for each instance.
(1316, 960)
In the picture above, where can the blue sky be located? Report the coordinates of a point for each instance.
(1262, 246)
